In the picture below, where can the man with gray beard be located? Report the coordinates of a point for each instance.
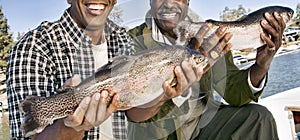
(238, 120)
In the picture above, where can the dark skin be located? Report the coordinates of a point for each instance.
(160, 10)
(273, 26)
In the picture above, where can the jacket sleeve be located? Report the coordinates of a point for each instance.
(232, 83)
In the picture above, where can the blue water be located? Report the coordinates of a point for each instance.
(284, 74)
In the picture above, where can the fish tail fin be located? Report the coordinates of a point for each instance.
(39, 112)
(30, 124)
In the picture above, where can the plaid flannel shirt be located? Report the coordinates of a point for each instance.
(47, 56)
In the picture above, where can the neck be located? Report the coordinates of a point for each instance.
(95, 33)
(169, 34)
(97, 36)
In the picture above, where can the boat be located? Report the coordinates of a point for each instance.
(285, 107)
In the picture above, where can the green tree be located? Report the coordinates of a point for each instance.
(6, 40)
(233, 14)
(20, 35)
(116, 15)
(297, 13)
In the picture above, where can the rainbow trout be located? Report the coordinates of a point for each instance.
(137, 80)
(246, 30)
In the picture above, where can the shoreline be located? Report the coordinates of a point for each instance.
(289, 48)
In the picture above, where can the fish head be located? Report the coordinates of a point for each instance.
(199, 60)
(287, 14)
(196, 58)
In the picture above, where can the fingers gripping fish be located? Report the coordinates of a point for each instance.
(246, 30)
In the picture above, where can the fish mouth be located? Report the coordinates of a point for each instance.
(199, 60)
(290, 14)
(287, 17)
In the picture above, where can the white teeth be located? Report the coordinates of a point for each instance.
(96, 6)
(169, 14)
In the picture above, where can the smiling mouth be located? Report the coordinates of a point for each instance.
(168, 15)
(95, 8)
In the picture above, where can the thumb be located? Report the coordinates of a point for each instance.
(74, 81)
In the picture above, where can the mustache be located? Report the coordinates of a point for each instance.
(169, 10)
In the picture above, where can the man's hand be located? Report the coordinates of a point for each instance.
(213, 47)
(92, 111)
(274, 27)
(186, 75)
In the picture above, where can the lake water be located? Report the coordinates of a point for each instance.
(284, 74)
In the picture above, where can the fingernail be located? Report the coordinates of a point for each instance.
(264, 22)
(117, 97)
(277, 15)
(76, 76)
(267, 14)
(200, 69)
(166, 84)
(223, 29)
(104, 93)
(209, 24)
(76, 80)
(178, 69)
(97, 96)
(87, 101)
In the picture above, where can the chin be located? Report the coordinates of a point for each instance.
(170, 26)
(96, 23)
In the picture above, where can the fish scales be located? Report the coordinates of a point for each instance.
(137, 80)
(246, 30)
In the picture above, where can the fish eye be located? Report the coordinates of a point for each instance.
(199, 58)
(290, 14)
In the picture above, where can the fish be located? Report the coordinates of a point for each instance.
(136, 79)
(246, 30)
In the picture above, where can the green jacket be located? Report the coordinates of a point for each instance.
(224, 77)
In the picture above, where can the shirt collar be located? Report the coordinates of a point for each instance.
(158, 36)
(78, 36)
(74, 32)
(155, 32)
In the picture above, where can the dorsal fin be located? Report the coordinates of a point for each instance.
(116, 62)
(64, 89)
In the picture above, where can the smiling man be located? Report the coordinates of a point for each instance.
(46, 58)
(169, 17)
(185, 118)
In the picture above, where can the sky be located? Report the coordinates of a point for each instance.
(23, 15)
